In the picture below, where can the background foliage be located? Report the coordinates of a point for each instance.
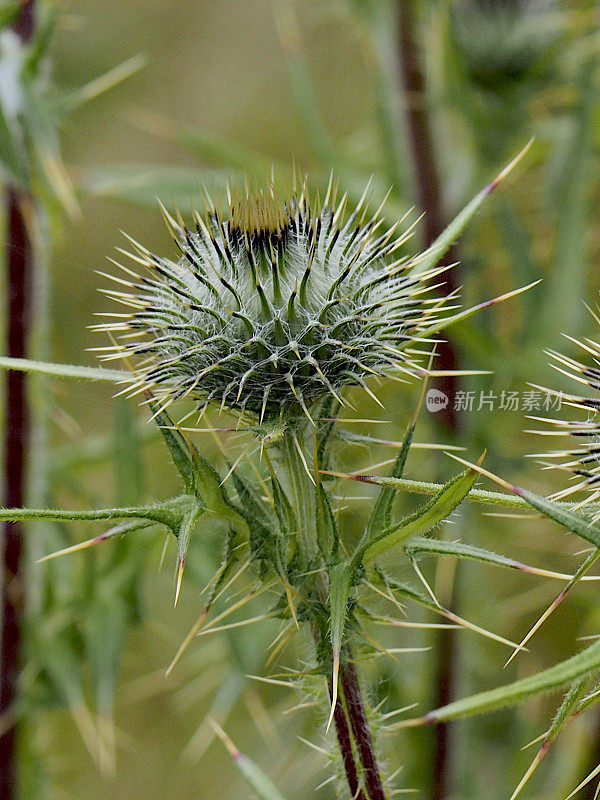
(243, 85)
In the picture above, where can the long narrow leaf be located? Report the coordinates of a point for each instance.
(65, 370)
(574, 668)
(431, 514)
(444, 241)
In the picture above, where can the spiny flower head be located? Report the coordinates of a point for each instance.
(272, 305)
(583, 460)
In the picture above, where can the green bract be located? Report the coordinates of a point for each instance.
(273, 305)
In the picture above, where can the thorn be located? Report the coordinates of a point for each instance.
(334, 688)
(186, 642)
(505, 484)
(500, 177)
(179, 579)
(290, 599)
(231, 748)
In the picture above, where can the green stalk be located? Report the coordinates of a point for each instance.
(349, 715)
(302, 485)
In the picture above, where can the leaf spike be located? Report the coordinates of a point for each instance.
(290, 599)
(186, 642)
(174, 228)
(74, 548)
(303, 458)
(531, 769)
(180, 570)
(585, 782)
(478, 468)
(371, 394)
(240, 624)
(587, 564)
(327, 198)
(508, 168)
(334, 687)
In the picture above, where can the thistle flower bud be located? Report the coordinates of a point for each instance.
(272, 305)
(583, 460)
(502, 41)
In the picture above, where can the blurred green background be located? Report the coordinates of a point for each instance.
(233, 85)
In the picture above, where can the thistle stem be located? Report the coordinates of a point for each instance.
(15, 447)
(429, 198)
(361, 731)
(303, 494)
(345, 745)
(19, 258)
(427, 184)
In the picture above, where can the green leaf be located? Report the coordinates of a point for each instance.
(186, 528)
(340, 582)
(483, 496)
(382, 511)
(427, 517)
(446, 322)
(573, 521)
(446, 239)
(574, 668)
(263, 786)
(178, 447)
(65, 370)
(421, 544)
(143, 183)
(162, 514)
(327, 531)
(262, 526)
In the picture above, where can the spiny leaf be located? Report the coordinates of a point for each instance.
(166, 514)
(445, 323)
(177, 445)
(65, 370)
(574, 668)
(184, 534)
(421, 544)
(263, 786)
(427, 517)
(428, 488)
(327, 530)
(574, 521)
(444, 241)
(340, 582)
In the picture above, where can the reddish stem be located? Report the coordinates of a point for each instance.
(345, 745)
(429, 195)
(15, 447)
(428, 189)
(19, 264)
(361, 731)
